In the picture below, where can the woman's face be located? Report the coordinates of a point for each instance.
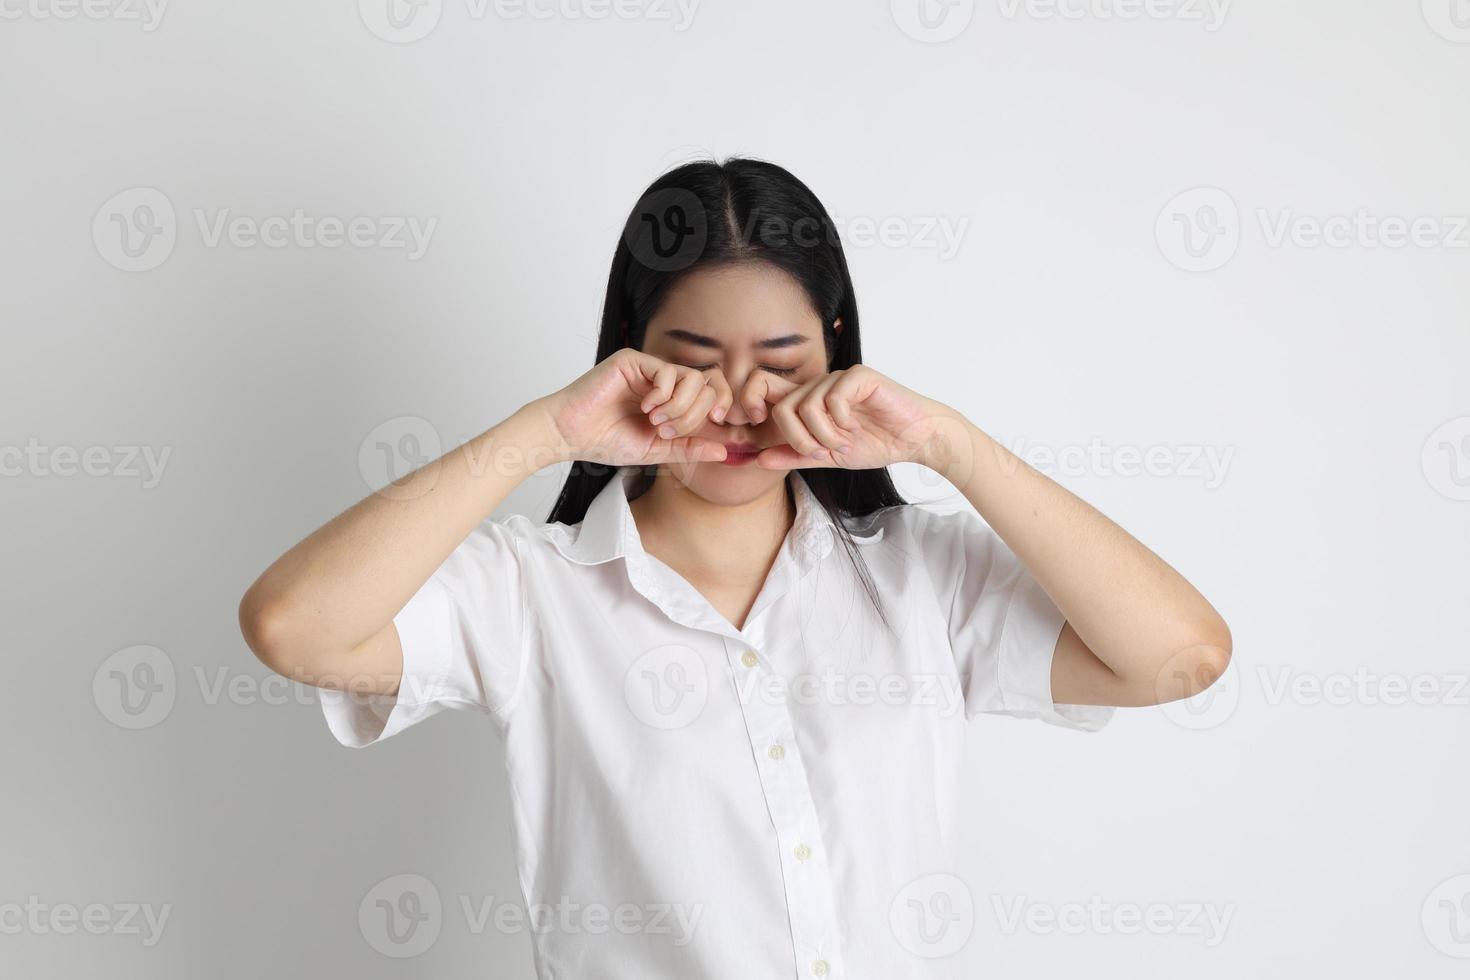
(743, 319)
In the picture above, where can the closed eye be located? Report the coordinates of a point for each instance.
(783, 372)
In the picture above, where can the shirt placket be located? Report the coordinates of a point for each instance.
(805, 872)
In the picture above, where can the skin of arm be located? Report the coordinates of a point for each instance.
(1137, 633)
(322, 614)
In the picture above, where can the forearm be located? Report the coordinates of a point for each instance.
(1135, 613)
(343, 583)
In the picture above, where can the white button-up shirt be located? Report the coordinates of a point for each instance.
(717, 803)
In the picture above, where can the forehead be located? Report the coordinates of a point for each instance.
(735, 304)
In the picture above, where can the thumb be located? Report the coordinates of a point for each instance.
(760, 391)
(687, 449)
(784, 457)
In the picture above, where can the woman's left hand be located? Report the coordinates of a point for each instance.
(853, 418)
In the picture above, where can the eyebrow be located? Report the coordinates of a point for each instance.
(700, 340)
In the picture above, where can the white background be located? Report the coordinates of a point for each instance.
(1317, 797)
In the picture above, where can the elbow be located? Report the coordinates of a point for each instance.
(1197, 665)
(282, 634)
(265, 624)
(1213, 661)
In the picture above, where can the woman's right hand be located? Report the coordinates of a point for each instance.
(323, 612)
(634, 409)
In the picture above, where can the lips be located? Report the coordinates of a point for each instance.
(737, 453)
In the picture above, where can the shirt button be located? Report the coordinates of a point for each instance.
(820, 968)
(776, 752)
(802, 852)
(749, 659)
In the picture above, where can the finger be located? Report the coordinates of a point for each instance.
(784, 413)
(763, 389)
(663, 377)
(638, 369)
(813, 411)
(724, 397)
(691, 420)
(851, 388)
(753, 396)
(782, 457)
(686, 449)
(686, 389)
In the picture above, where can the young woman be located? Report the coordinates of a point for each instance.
(733, 668)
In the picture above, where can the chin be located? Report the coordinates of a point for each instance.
(720, 483)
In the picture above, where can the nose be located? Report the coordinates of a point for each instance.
(736, 415)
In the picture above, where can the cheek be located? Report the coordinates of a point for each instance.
(810, 372)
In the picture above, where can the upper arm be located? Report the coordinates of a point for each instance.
(460, 642)
(1078, 676)
(1005, 632)
(374, 666)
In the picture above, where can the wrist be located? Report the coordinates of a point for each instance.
(530, 433)
(951, 446)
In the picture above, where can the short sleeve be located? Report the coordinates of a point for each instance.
(1003, 627)
(463, 640)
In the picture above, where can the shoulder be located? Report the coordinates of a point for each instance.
(935, 535)
(913, 521)
(944, 540)
(583, 543)
(526, 531)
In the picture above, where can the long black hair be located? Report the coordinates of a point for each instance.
(710, 213)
